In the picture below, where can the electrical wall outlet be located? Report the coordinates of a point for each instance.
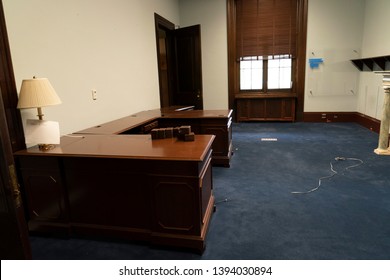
(94, 94)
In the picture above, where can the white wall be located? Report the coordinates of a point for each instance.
(109, 46)
(211, 15)
(334, 34)
(376, 42)
(335, 29)
(80, 45)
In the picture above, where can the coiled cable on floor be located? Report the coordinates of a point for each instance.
(334, 172)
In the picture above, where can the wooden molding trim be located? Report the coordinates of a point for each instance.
(8, 89)
(233, 83)
(362, 119)
(368, 122)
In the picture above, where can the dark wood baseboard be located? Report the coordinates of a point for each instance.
(368, 122)
(364, 120)
(329, 117)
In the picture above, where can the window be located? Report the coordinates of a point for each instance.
(251, 73)
(278, 73)
(265, 44)
(267, 58)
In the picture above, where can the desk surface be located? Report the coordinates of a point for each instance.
(123, 124)
(127, 146)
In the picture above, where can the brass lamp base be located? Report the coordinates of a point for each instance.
(45, 147)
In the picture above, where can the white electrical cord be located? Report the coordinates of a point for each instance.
(220, 201)
(334, 172)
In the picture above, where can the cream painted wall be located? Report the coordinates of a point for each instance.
(335, 29)
(109, 46)
(211, 15)
(80, 45)
(334, 34)
(376, 42)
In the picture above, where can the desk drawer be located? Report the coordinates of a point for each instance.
(44, 163)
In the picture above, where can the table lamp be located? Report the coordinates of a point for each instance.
(38, 93)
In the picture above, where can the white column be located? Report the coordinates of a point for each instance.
(383, 145)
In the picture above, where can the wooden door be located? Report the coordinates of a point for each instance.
(14, 243)
(166, 75)
(179, 64)
(188, 62)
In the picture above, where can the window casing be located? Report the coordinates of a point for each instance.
(266, 45)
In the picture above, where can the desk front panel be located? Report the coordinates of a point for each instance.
(162, 201)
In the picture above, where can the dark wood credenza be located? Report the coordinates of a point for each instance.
(125, 186)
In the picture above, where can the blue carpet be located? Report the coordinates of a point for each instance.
(257, 215)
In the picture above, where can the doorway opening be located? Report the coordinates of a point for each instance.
(179, 64)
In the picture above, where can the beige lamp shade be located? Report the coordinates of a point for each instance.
(36, 93)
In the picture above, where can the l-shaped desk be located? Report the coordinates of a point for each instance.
(210, 122)
(114, 180)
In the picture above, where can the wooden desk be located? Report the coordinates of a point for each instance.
(125, 186)
(209, 122)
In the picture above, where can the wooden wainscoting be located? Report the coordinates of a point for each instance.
(364, 120)
(265, 107)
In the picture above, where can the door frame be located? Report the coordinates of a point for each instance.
(185, 41)
(14, 242)
(166, 99)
